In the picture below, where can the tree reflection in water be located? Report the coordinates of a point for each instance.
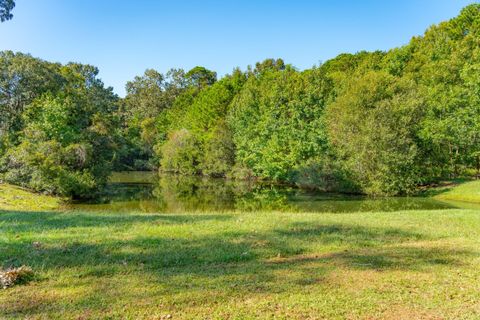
(149, 192)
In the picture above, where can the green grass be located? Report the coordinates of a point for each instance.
(468, 192)
(16, 198)
(243, 265)
(234, 265)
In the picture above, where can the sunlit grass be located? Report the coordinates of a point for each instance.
(468, 192)
(415, 264)
(395, 265)
(16, 198)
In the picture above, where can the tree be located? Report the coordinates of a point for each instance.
(180, 153)
(445, 62)
(203, 117)
(201, 77)
(269, 65)
(373, 130)
(65, 144)
(152, 93)
(277, 122)
(148, 97)
(219, 152)
(23, 79)
(6, 7)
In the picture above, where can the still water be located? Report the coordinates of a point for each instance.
(150, 192)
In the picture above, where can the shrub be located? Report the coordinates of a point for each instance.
(180, 153)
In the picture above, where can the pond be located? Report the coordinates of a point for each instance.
(150, 192)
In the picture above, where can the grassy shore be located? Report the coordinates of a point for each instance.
(16, 198)
(468, 192)
(234, 265)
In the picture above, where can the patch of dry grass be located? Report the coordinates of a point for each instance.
(14, 276)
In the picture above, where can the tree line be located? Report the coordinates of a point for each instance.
(379, 123)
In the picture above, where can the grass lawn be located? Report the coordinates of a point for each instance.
(468, 192)
(233, 265)
(16, 198)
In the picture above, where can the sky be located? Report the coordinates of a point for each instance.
(125, 37)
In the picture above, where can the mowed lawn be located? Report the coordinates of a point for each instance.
(16, 198)
(468, 192)
(396, 265)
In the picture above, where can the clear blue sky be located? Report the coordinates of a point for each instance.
(123, 38)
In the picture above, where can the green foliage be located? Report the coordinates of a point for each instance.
(450, 61)
(6, 7)
(201, 77)
(371, 122)
(180, 153)
(219, 152)
(421, 125)
(202, 114)
(63, 142)
(23, 79)
(269, 65)
(372, 126)
(152, 108)
(277, 122)
(147, 98)
(153, 92)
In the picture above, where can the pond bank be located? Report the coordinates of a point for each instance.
(242, 264)
(149, 193)
(466, 192)
(20, 199)
(154, 193)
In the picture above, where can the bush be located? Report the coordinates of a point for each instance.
(325, 175)
(180, 154)
(219, 154)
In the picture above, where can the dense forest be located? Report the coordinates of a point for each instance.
(378, 123)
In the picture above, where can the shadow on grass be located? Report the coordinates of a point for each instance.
(254, 259)
(160, 252)
(26, 221)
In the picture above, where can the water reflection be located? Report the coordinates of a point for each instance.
(149, 192)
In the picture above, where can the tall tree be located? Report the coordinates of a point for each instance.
(373, 130)
(56, 126)
(148, 96)
(201, 77)
(23, 79)
(277, 121)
